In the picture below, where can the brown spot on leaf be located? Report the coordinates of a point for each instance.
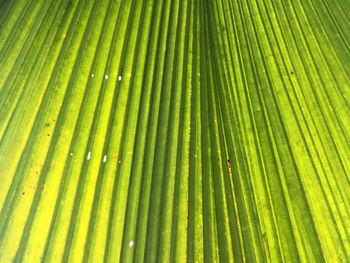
(229, 166)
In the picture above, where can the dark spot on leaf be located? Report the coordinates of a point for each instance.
(292, 72)
(229, 166)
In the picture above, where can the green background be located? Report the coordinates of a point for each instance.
(200, 130)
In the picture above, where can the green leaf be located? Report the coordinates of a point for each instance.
(174, 131)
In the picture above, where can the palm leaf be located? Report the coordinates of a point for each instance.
(157, 131)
